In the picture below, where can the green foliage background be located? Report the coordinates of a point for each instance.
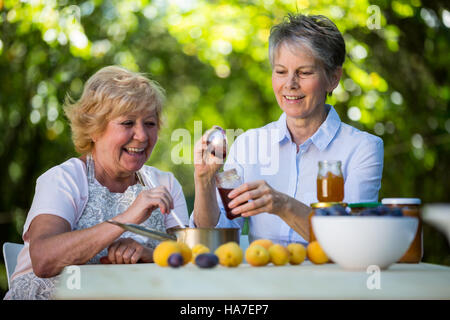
(211, 57)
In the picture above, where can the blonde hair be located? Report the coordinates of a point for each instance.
(111, 92)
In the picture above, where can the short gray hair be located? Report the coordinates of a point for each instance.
(316, 32)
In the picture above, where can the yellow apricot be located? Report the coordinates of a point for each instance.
(186, 252)
(257, 255)
(279, 255)
(266, 243)
(163, 251)
(315, 253)
(297, 253)
(229, 254)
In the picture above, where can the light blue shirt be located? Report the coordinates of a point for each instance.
(269, 154)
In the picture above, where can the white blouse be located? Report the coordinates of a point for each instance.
(63, 191)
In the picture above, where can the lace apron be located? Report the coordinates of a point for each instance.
(101, 206)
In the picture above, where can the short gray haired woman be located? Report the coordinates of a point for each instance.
(115, 126)
(317, 34)
(306, 54)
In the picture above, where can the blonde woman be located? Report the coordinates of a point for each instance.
(115, 127)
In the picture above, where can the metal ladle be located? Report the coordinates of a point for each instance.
(153, 185)
(217, 138)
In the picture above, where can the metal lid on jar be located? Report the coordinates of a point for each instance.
(327, 204)
(228, 179)
(399, 201)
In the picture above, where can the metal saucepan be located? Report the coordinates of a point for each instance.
(210, 237)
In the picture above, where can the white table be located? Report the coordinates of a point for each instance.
(306, 281)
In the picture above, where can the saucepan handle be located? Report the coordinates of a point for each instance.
(146, 232)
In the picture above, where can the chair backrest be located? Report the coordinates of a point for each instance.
(10, 253)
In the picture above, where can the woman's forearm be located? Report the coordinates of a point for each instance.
(51, 251)
(295, 214)
(206, 210)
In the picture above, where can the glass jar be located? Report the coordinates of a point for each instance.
(330, 182)
(319, 205)
(227, 181)
(411, 208)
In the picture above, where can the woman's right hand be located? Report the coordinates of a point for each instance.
(147, 201)
(126, 251)
(205, 164)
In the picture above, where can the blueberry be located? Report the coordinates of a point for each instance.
(382, 210)
(175, 260)
(321, 212)
(369, 212)
(206, 260)
(337, 210)
(395, 212)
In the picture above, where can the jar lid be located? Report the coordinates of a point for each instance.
(364, 204)
(327, 204)
(338, 162)
(401, 201)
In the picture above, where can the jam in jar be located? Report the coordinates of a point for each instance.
(226, 181)
(410, 207)
(330, 182)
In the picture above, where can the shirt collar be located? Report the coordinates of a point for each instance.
(322, 137)
(281, 125)
(327, 131)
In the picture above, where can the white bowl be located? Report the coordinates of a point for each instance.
(356, 243)
(438, 215)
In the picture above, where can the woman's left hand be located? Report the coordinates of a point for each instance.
(264, 199)
(127, 250)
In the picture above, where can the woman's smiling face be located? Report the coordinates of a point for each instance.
(127, 143)
(299, 82)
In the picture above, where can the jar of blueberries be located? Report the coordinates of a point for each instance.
(333, 208)
(410, 207)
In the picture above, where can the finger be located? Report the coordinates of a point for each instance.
(243, 188)
(159, 202)
(119, 254)
(165, 194)
(250, 206)
(164, 203)
(199, 150)
(244, 197)
(105, 260)
(112, 252)
(160, 198)
(255, 212)
(128, 253)
(169, 198)
(136, 256)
